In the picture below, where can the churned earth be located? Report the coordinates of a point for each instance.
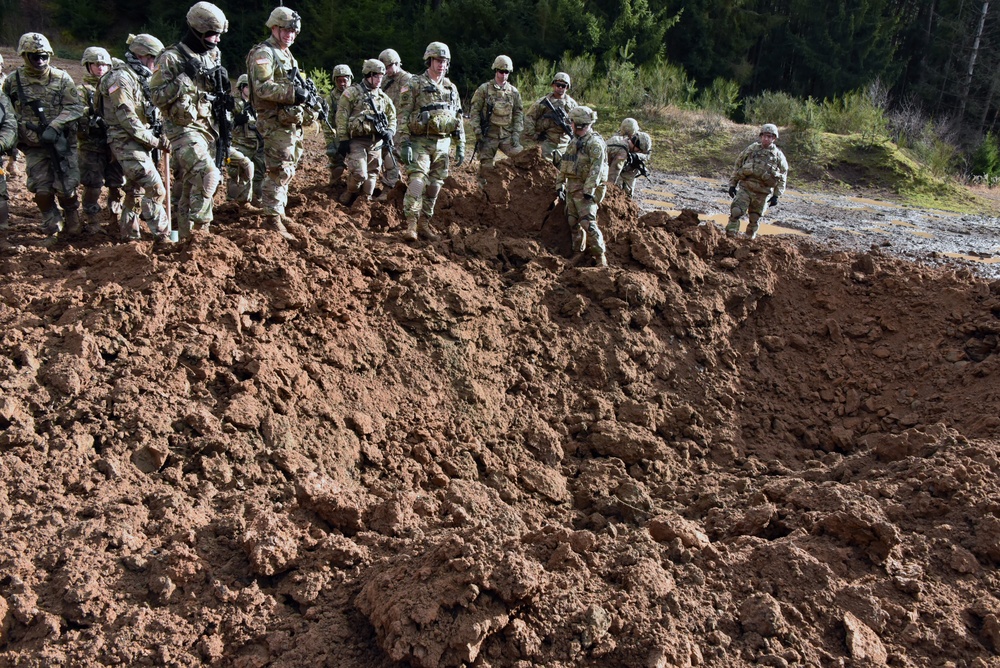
(351, 451)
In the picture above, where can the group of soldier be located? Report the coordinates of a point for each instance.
(112, 131)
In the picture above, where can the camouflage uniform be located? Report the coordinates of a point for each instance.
(245, 182)
(98, 167)
(583, 172)
(8, 138)
(760, 173)
(429, 116)
(337, 163)
(392, 84)
(499, 108)
(279, 119)
(129, 113)
(48, 177)
(354, 124)
(540, 125)
(619, 147)
(181, 86)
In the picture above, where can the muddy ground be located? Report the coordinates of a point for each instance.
(351, 451)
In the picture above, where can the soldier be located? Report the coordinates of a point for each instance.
(342, 77)
(628, 153)
(8, 139)
(98, 167)
(249, 143)
(366, 119)
(429, 115)
(48, 106)
(761, 172)
(281, 112)
(186, 78)
(583, 172)
(497, 118)
(392, 83)
(133, 123)
(543, 124)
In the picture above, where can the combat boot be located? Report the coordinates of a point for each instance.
(601, 260)
(752, 230)
(347, 197)
(425, 230)
(4, 214)
(276, 223)
(74, 225)
(410, 233)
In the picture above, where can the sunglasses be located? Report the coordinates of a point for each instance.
(504, 71)
(38, 56)
(560, 85)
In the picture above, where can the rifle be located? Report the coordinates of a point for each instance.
(244, 119)
(223, 104)
(313, 99)
(156, 127)
(97, 127)
(484, 126)
(634, 161)
(60, 148)
(558, 115)
(381, 124)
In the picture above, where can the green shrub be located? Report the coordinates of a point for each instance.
(986, 158)
(323, 79)
(536, 82)
(807, 129)
(775, 107)
(722, 97)
(855, 112)
(665, 84)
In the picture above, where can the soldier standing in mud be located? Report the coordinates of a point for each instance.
(497, 118)
(245, 186)
(761, 173)
(366, 120)
(47, 104)
(429, 117)
(628, 152)
(98, 167)
(8, 139)
(130, 115)
(183, 87)
(583, 173)
(281, 111)
(542, 124)
(342, 77)
(392, 83)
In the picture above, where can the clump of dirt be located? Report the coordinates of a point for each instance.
(352, 451)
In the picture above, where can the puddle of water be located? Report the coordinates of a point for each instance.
(844, 229)
(973, 258)
(901, 223)
(659, 193)
(914, 232)
(722, 219)
(659, 204)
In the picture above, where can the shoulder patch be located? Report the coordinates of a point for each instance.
(404, 89)
(113, 89)
(262, 61)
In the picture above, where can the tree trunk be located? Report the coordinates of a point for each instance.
(967, 83)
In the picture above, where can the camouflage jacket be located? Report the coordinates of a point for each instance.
(185, 100)
(272, 88)
(500, 108)
(8, 124)
(354, 113)
(761, 170)
(58, 96)
(392, 85)
(127, 108)
(641, 142)
(429, 109)
(89, 129)
(245, 134)
(585, 163)
(538, 120)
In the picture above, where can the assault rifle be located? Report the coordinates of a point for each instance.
(381, 124)
(97, 127)
(638, 163)
(244, 117)
(60, 149)
(313, 99)
(156, 127)
(558, 114)
(223, 104)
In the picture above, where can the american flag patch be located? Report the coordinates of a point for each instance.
(262, 61)
(113, 89)
(404, 89)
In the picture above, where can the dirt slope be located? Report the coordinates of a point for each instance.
(350, 451)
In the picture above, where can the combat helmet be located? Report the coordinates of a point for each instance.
(629, 127)
(244, 80)
(390, 57)
(582, 115)
(503, 63)
(769, 128)
(33, 42)
(437, 50)
(97, 55)
(372, 66)
(286, 18)
(562, 76)
(342, 71)
(144, 45)
(204, 17)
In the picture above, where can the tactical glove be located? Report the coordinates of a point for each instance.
(50, 136)
(241, 119)
(163, 144)
(406, 152)
(387, 137)
(732, 191)
(773, 201)
(300, 95)
(459, 155)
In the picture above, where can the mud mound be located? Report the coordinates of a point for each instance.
(350, 451)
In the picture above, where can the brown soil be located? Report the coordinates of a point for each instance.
(352, 451)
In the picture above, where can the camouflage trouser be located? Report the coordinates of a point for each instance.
(47, 186)
(429, 169)
(140, 175)
(364, 160)
(581, 214)
(192, 158)
(390, 175)
(241, 172)
(550, 145)
(255, 152)
(282, 152)
(750, 204)
(4, 195)
(488, 152)
(98, 168)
